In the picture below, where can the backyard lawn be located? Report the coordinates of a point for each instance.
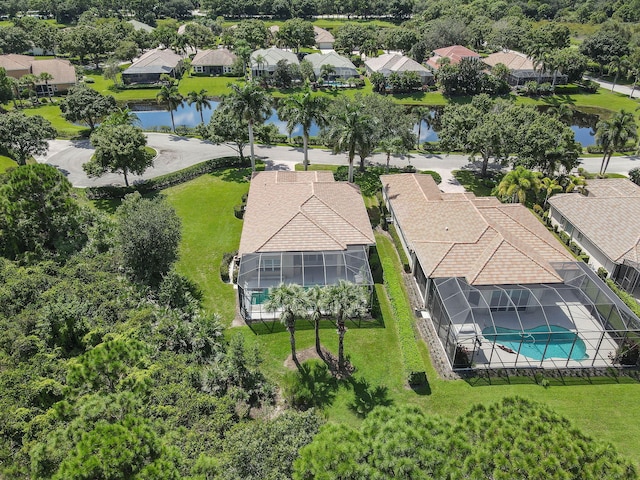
(602, 408)
(6, 162)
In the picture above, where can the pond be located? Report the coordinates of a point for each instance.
(151, 118)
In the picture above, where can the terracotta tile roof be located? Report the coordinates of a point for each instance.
(394, 62)
(480, 239)
(303, 211)
(608, 216)
(455, 53)
(214, 57)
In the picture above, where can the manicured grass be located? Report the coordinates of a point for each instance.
(209, 229)
(52, 113)
(472, 182)
(5, 163)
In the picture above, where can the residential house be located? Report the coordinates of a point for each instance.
(303, 228)
(389, 63)
(522, 69)
(264, 61)
(500, 290)
(604, 220)
(217, 61)
(454, 53)
(324, 38)
(151, 65)
(344, 68)
(64, 74)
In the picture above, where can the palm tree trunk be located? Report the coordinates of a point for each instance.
(341, 331)
(126, 180)
(388, 160)
(305, 148)
(419, 133)
(485, 164)
(173, 124)
(351, 155)
(615, 79)
(201, 115)
(633, 88)
(606, 165)
(317, 330)
(292, 340)
(604, 157)
(253, 157)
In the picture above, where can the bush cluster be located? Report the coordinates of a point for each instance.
(227, 258)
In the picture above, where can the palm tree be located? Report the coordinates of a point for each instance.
(122, 116)
(29, 81)
(327, 70)
(201, 101)
(171, 97)
(617, 65)
(344, 300)
(393, 146)
(252, 104)
(613, 134)
(517, 183)
(422, 114)
(562, 112)
(572, 182)
(303, 109)
(290, 298)
(45, 77)
(349, 128)
(550, 186)
(316, 299)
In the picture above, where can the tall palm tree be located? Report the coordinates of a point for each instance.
(345, 300)
(316, 299)
(617, 66)
(422, 114)
(291, 300)
(549, 187)
(392, 146)
(613, 134)
(200, 100)
(171, 97)
(45, 77)
(349, 128)
(303, 109)
(252, 104)
(517, 183)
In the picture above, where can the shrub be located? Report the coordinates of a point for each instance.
(462, 358)
(165, 181)
(238, 211)
(564, 236)
(411, 358)
(589, 86)
(602, 273)
(634, 175)
(626, 354)
(227, 258)
(624, 296)
(310, 386)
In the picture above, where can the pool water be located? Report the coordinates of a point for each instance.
(558, 342)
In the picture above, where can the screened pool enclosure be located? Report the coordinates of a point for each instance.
(260, 271)
(575, 324)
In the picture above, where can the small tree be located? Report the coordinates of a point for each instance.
(120, 148)
(25, 135)
(516, 184)
(148, 236)
(171, 98)
(200, 100)
(291, 300)
(83, 104)
(226, 127)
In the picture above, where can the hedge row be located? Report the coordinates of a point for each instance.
(166, 181)
(411, 359)
(398, 243)
(624, 296)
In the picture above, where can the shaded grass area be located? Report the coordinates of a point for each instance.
(6, 162)
(473, 182)
(604, 408)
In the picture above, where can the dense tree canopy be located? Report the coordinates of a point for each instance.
(83, 104)
(24, 135)
(515, 438)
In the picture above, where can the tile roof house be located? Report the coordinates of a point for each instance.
(214, 62)
(522, 69)
(151, 65)
(484, 269)
(264, 61)
(454, 53)
(324, 38)
(605, 222)
(304, 228)
(64, 74)
(343, 66)
(389, 63)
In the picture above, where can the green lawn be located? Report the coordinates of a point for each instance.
(52, 113)
(5, 163)
(602, 408)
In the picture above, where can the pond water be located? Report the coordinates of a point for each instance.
(186, 115)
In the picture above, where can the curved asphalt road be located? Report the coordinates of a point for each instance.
(175, 153)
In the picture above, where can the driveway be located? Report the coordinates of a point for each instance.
(624, 89)
(175, 153)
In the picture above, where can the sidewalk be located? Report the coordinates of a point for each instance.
(624, 89)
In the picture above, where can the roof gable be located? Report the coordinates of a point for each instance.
(214, 57)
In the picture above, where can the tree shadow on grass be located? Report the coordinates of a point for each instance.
(312, 385)
(237, 175)
(108, 205)
(367, 397)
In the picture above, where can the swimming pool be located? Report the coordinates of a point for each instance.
(558, 342)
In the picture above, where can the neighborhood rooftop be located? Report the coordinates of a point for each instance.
(155, 61)
(217, 56)
(303, 211)
(480, 239)
(608, 215)
(394, 62)
(513, 60)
